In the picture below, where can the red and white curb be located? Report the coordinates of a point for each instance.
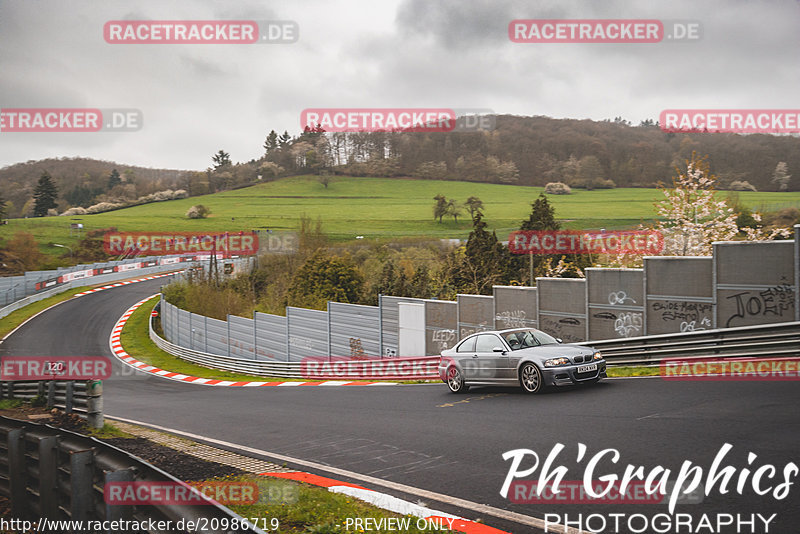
(393, 504)
(118, 284)
(119, 352)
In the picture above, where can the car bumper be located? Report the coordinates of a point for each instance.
(443, 370)
(568, 375)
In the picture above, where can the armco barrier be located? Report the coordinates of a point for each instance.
(763, 341)
(94, 280)
(83, 398)
(19, 291)
(53, 474)
(13, 288)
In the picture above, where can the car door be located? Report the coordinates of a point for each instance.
(467, 358)
(519, 342)
(490, 363)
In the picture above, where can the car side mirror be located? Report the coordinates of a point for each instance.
(499, 349)
(559, 340)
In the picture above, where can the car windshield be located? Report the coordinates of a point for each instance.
(525, 339)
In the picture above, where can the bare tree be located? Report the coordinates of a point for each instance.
(781, 176)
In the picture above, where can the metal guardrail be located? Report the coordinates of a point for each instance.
(90, 281)
(777, 340)
(56, 474)
(82, 398)
(30, 299)
(772, 340)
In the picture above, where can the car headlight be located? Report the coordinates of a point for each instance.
(598, 356)
(555, 362)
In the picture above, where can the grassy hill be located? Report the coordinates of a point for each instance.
(372, 207)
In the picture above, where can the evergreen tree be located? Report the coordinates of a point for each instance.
(114, 179)
(271, 143)
(420, 285)
(221, 159)
(323, 278)
(393, 281)
(44, 195)
(542, 217)
(2, 207)
(483, 263)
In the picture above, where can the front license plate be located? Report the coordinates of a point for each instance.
(587, 368)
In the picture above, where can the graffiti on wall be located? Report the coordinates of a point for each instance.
(443, 338)
(619, 298)
(569, 329)
(776, 302)
(511, 319)
(626, 324)
(357, 351)
(465, 331)
(686, 316)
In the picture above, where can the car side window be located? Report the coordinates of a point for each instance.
(487, 342)
(467, 346)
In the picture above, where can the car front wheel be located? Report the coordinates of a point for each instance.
(530, 377)
(455, 381)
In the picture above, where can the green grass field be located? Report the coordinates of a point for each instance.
(372, 207)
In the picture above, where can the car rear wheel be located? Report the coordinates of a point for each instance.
(455, 381)
(530, 377)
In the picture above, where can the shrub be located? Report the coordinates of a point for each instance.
(786, 217)
(104, 206)
(599, 183)
(198, 212)
(77, 210)
(557, 188)
(742, 185)
(159, 196)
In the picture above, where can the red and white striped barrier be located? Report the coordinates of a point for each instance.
(118, 284)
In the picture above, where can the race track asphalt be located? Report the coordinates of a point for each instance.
(425, 437)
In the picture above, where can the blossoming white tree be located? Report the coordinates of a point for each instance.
(691, 217)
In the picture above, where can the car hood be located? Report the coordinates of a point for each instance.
(554, 351)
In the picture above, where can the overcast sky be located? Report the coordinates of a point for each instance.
(197, 99)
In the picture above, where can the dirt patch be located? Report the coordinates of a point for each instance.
(176, 463)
